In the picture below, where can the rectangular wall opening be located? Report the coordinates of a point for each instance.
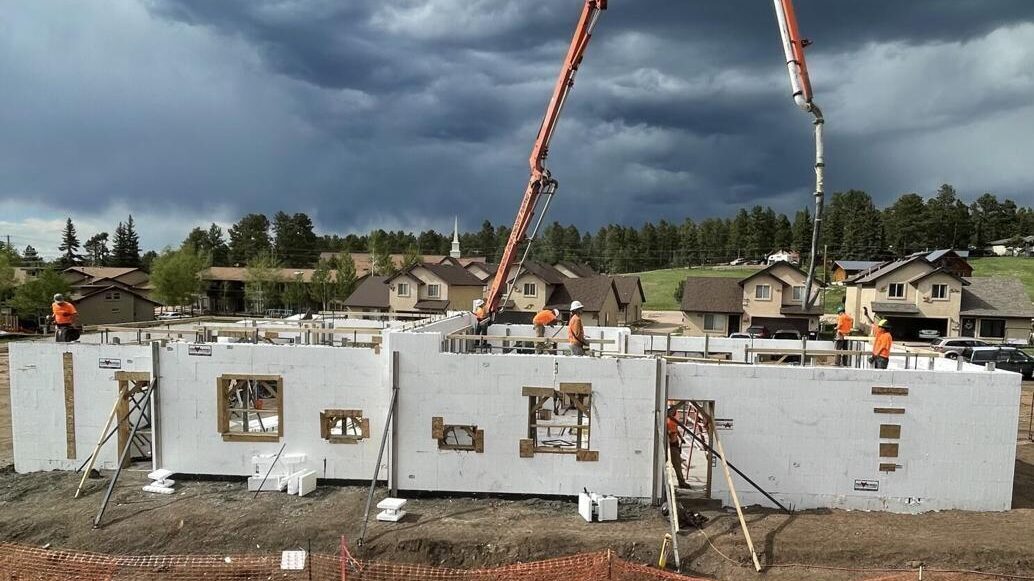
(344, 426)
(559, 421)
(250, 407)
(690, 456)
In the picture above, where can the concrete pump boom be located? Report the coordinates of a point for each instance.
(800, 85)
(540, 183)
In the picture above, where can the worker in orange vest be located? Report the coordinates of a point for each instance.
(575, 330)
(481, 322)
(882, 344)
(65, 317)
(675, 446)
(544, 318)
(845, 324)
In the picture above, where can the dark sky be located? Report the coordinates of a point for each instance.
(404, 113)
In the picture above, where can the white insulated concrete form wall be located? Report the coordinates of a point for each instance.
(809, 435)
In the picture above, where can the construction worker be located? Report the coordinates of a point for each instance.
(675, 445)
(65, 317)
(544, 318)
(882, 344)
(845, 324)
(575, 330)
(481, 322)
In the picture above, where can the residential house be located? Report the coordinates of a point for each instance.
(783, 256)
(770, 297)
(534, 286)
(364, 260)
(224, 292)
(482, 270)
(1015, 246)
(574, 269)
(996, 309)
(371, 295)
(845, 269)
(433, 288)
(80, 276)
(953, 261)
(915, 294)
(598, 295)
(112, 304)
(630, 299)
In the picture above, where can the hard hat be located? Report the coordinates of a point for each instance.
(479, 303)
(556, 312)
(59, 297)
(840, 308)
(884, 323)
(577, 306)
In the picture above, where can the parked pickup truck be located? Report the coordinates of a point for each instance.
(1007, 358)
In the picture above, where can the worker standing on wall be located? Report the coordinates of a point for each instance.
(481, 322)
(544, 318)
(881, 345)
(675, 446)
(65, 317)
(575, 330)
(845, 324)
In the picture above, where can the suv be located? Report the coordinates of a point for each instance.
(951, 347)
(757, 331)
(787, 334)
(1007, 358)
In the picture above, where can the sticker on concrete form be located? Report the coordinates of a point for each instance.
(199, 350)
(723, 423)
(108, 363)
(867, 485)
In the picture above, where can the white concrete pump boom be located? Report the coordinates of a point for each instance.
(800, 85)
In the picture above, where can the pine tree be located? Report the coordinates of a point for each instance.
(249, 238)
(69, 246)
(97, 249)
(126, 245)
(344, 277)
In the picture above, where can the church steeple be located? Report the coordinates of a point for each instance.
(455, 252)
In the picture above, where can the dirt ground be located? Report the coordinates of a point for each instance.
(222, 517)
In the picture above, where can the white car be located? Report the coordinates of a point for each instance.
(172, 315)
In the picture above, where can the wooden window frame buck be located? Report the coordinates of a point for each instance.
(441, 431)
(329, 418)
(579, 396)
(226, 382)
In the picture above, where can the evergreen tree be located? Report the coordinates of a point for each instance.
(905, 223)
(383, 264)
(96, 248)
(783, 237)
(249, 239)
(802, 229)
(147, 260)
(412, 257)
(344, 277)
(69, 246)
(126, 245)
(295, 242)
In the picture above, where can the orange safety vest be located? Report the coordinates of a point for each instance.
(673, 431)
(543, 318)
(64, 313)
(881, 346)
(479, 313)
(575, 331)
(845, 324)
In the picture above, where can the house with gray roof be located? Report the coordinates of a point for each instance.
(370, 296)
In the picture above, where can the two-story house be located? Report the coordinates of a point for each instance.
(433, 288)
(770, 297)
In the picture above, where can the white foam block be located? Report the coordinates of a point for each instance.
(391, 515)
(585, 506)
(160, 474)
(391, 503)
(272, 483)
(306, 482)
(158, 490)
(292, 560)
(166, 483)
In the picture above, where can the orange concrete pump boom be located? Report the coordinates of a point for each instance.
(800, 86)
(540, 183)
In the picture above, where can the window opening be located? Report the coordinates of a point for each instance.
(896, 290)
(763, 292)
(463, 437)
(434, 291)
(559, 421)
(250, 407)
(940, 291)
(344, 426)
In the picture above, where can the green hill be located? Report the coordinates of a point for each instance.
(1016, 266)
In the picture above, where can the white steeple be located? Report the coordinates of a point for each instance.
(455, 252)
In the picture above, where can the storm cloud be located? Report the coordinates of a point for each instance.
(403, 113)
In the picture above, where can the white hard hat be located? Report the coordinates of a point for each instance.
(576, 305)
(556, 312)
(479, 303)
(59, 297)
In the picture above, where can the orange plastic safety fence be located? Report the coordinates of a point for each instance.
(20, 563)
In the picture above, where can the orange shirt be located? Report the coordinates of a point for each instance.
(64, 313)
(543, 318)
(881, 346)
(673, 431)
(845, 324)
(479, 313)
(575, 331)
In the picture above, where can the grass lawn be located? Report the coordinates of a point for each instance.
(1015, 266)
(659, 285)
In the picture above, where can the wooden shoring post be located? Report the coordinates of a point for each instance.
(736, 502)
(673, 509)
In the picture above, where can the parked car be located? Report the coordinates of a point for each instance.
(952, 346)
(738, 262)
(172, 315)
(739, 336)
(929, 333)
(757, 331)
(787, 334)
(1007, 358)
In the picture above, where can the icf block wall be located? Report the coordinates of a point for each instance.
(736, 348)
(314, 378)
(811, 436)
(486, 391)
(38, 415)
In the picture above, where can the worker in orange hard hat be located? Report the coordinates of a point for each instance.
(575, 330)
(544, 318)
